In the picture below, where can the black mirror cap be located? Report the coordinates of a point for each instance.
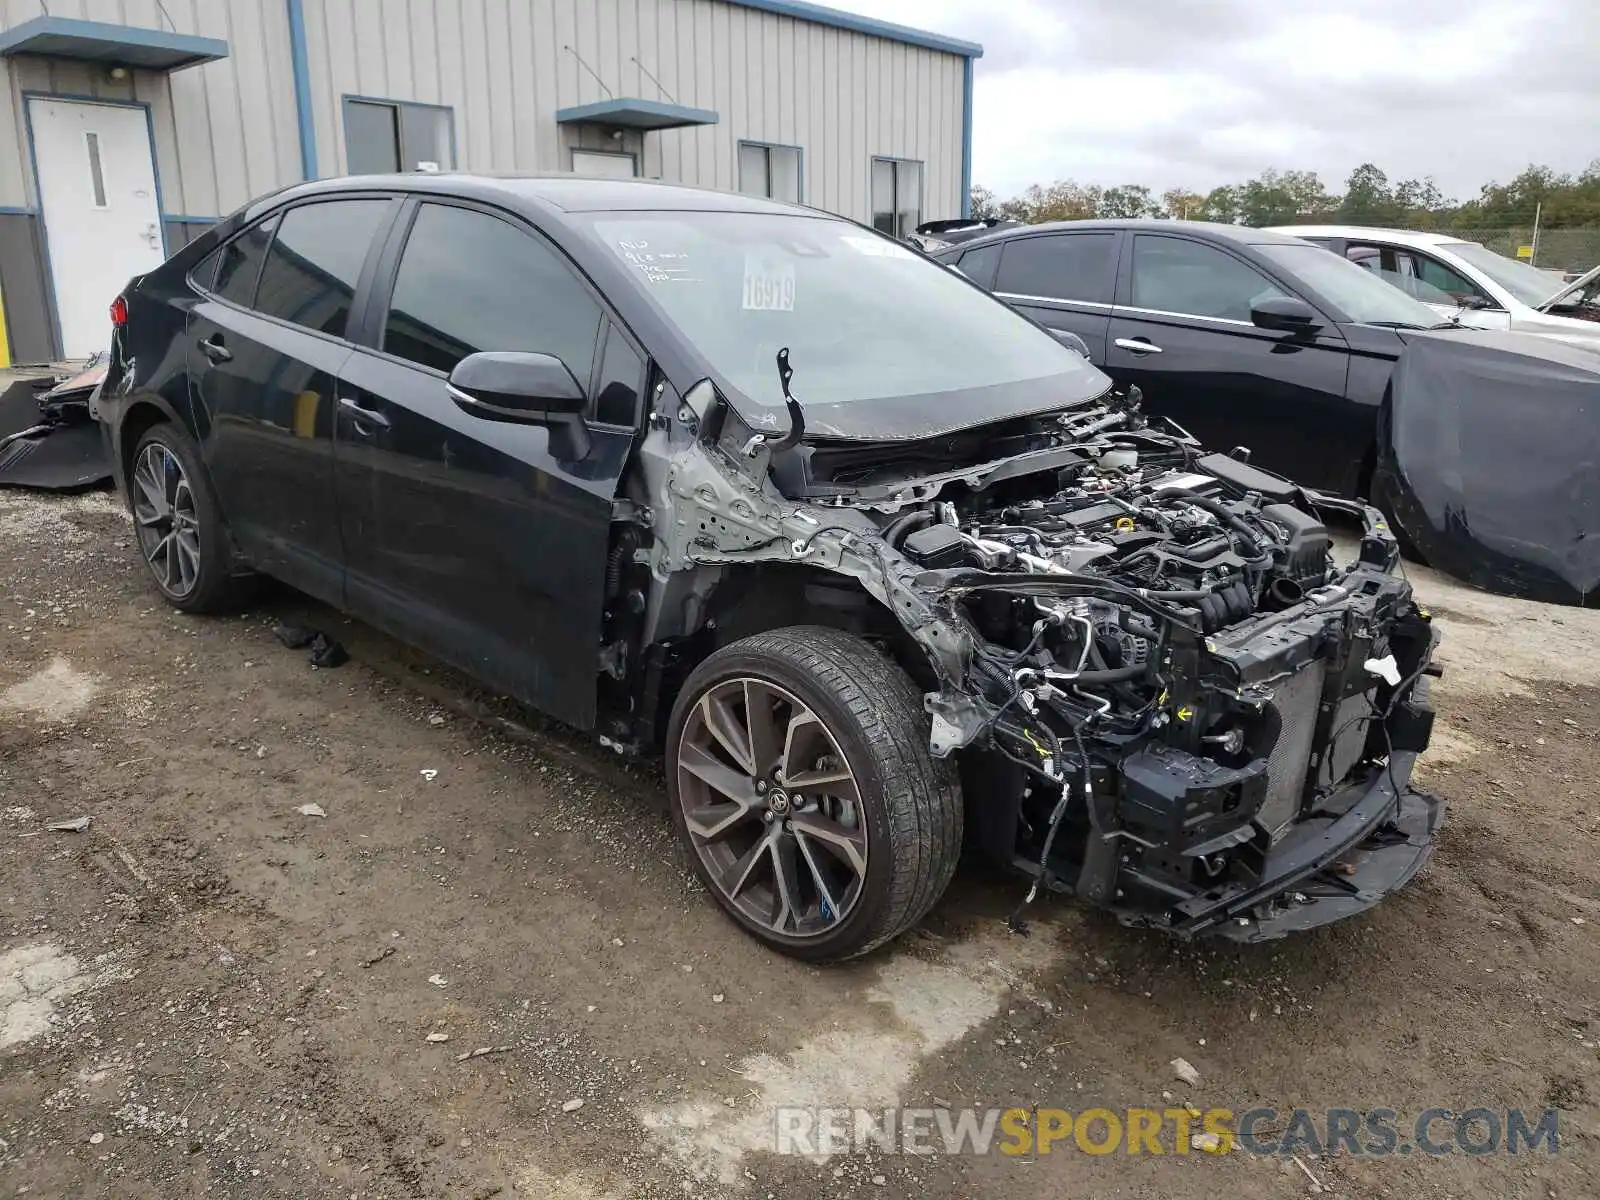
(1288, 313)
(533, 389)
(516, 386)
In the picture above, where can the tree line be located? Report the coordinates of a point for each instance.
(1300, 197)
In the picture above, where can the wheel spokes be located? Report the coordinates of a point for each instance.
(848, 845)
(787, 906)
(772, 808)
(735, 796)
(722, 723)
(168, 528)
(736, 877)
(761, 722)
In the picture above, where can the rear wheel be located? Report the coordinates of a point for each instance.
(801, 781)
(180, 530)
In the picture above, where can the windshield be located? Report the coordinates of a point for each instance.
(883, 341)
(1528, 284)
(1357, 293)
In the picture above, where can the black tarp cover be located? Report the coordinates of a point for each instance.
(1489, 461)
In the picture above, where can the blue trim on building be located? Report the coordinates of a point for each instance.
(7, 211)
(632, 113)
(817, 14)
(966, 138)
(302, 89)
(102, 41)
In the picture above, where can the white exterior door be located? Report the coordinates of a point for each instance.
(102, 218)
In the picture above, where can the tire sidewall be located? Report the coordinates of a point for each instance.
(863, 922)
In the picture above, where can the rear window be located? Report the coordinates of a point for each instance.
(978, 265)
(311, 271)
(1061, 266)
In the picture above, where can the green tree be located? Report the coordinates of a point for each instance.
(984, 204)
(1126, 201)
(1220, 204)
(1180, 204)
(1368, 199)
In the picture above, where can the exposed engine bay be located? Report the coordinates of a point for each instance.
(1165, 696)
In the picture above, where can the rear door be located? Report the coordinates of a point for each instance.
(1182, 332)
(1064, 281)
(265, 345)
(463, 535)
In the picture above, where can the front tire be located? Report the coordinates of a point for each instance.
(178, 524)
(800, 778)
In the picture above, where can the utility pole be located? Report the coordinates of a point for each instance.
(1538, 211)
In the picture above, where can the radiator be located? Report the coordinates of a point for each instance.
(1295, 702)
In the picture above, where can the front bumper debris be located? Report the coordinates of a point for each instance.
(1363, 845)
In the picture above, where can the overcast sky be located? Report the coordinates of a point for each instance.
(1196, 93)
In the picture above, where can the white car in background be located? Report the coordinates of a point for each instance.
(1468, 282)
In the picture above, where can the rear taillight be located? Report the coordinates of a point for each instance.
(119, 312)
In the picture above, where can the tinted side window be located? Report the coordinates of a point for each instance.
(239, 262)
(469, 282)
(311, 271)
(621, 377)
(1066, 266)
(978, 265)
(1179, 276)
(1435, 274)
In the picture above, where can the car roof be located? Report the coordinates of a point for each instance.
(1206, 230)
(1400, 237)
(564, 193)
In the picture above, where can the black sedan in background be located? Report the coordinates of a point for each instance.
(1239, 335)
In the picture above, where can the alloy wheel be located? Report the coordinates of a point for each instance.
(164, 514)
(772, 808)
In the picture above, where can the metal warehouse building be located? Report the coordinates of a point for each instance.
(134, 124)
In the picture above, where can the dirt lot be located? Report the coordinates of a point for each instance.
(211, 993)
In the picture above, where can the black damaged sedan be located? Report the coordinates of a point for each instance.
(877, 564)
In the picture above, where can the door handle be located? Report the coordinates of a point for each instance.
(213, 349)
(1137, 345)
(363, 417)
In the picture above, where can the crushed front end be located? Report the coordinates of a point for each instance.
(1175, 706)
(1164, 695)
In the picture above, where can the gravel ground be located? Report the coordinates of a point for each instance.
(216, 991)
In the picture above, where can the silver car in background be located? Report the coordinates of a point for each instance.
(1467, 281)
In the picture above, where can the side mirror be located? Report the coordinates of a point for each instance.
(530, 389)
(1287, 313)
(1071, 341)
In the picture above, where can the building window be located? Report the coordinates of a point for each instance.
(771, 171)
(383, 136)
(896, 196)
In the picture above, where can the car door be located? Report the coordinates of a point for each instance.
(464, 535)
(1063, 281)
(1181, 331)
(265, 345)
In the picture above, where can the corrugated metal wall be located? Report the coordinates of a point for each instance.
(506, 66)
(224, 132)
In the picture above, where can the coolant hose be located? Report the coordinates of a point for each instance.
(906, 524)
(1232, 520)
